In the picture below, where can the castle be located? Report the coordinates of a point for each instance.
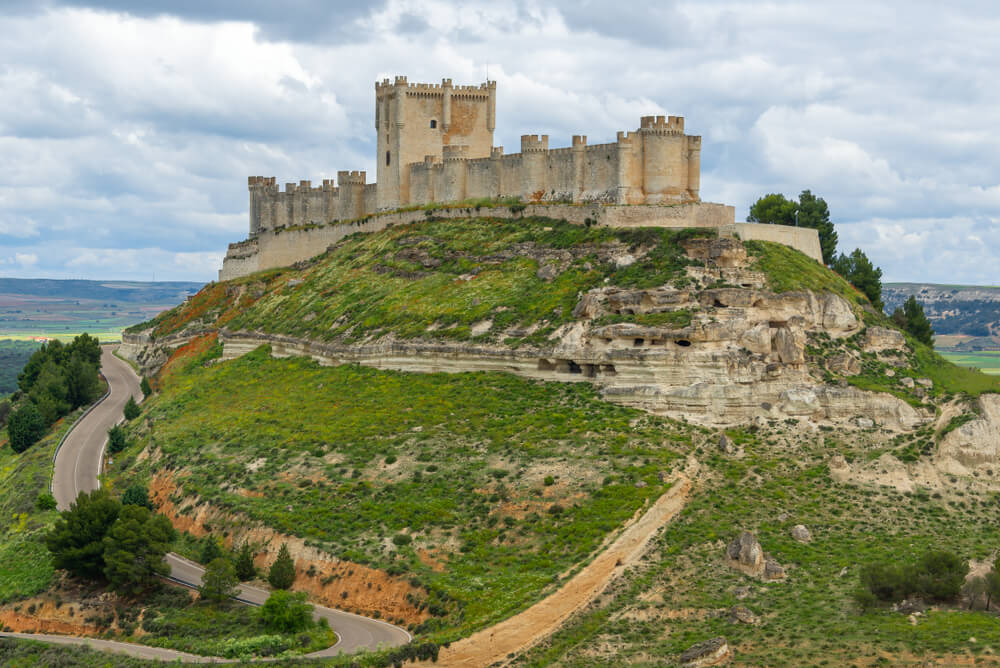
(435, 144)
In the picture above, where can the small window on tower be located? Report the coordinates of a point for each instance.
(387, 158)
(434, 123)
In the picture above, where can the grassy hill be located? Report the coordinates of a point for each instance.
(448, 502)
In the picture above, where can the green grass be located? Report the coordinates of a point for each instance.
(172, 620)
(811, 617)
(435, 279)
(471, 450)
(986, 361)
(788, 269)
(25, 566)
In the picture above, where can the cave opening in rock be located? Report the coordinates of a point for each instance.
(683, 343)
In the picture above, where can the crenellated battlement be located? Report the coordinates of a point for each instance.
(446, 86)
(532, 143)
(666, 124)
(351, 178)
(455, 153)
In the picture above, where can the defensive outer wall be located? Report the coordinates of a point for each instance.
(282, 247)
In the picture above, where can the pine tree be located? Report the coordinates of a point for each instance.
(282, 572)
(145, 387)
(219, 581)
(132, 410)
(245, 569)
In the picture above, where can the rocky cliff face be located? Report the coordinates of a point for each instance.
(722, 349)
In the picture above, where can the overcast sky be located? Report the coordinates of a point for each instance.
(126, 135)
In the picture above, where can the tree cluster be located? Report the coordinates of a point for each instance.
(57, 379)
(937, 576)
(912, 319)
(862, 274)
(809, 211)
(98, 537)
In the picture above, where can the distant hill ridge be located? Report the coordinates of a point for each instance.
(124, 291)
(971, 310)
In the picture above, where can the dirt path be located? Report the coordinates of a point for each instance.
(545, 617)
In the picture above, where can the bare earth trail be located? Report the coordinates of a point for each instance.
(77, 464)
(525, 629)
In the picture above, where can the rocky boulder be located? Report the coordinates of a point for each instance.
(746, 555)
(773, 570)
(801, 533)
(708, 653)
(726, 445)
(741, 615)
(882, 338)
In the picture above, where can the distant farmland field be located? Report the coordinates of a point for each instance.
(45, 309)
(987, 361)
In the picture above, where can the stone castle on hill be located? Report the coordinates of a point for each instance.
(435, 144)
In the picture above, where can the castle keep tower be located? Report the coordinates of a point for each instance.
(414, 121)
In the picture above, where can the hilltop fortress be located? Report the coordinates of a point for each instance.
(435, 144)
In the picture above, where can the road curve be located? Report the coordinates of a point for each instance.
(77, 464)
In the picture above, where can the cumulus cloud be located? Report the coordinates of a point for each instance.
(128, 129)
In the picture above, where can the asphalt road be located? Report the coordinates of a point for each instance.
(79, 459)
(76, 467)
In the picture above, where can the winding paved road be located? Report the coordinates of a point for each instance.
(77, 464)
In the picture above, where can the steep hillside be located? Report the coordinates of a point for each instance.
(674, 322)
(451, 501)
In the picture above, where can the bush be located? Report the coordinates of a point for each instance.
(401, 539)
(137, 495)
(25, 426)
(45, 501)
(937, 576)
(116, 439)
(132, 410)
(286, 611)
(549, 481)
(281, 575)
(145, 387)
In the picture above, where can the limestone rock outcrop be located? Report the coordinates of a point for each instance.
(745, 554)
(975, 444)
(711, 652)
(845, 364)
(882, 338)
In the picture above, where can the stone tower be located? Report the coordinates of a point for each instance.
(414, 121)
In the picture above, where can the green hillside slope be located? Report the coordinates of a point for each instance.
(448, 502)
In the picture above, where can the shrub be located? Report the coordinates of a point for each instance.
(145, 387)
(137, 495)
(281, 575)
(401, 539)
(938, 576)
(132, 410)
(45, 501)
(286, 611)
(116, 439)
(549, 481)
(25, 426)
